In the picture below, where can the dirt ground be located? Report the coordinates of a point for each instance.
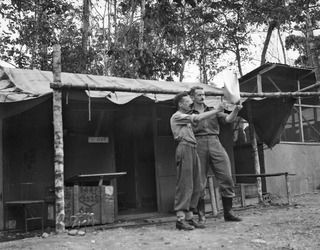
(274, 226)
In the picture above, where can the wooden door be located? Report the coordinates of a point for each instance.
(164, 158)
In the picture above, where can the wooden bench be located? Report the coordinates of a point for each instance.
(214, 193)
(265, 175)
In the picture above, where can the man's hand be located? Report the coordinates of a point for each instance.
(233, 115)
(220, 107)
(238, 107)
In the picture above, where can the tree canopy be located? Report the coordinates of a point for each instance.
(153, 39)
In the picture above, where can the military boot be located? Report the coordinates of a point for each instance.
(227, 210)
(183, 225)
(201, 211)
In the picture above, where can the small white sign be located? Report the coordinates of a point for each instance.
(98, 139)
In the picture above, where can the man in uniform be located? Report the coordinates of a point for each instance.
(188, 184)
(212, 153)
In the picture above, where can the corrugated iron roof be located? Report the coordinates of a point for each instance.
(283, 75)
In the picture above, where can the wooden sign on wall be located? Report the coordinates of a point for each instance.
(95, 139)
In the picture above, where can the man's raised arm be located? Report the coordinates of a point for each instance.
(208, 114)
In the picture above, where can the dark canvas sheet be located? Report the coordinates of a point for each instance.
(269, 117)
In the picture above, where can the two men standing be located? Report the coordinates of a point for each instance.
(195, 127)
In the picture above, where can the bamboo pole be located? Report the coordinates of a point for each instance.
(279, 94)
(175, 91)
(58, 142)
(133, 89)
(317, 84)
(300, 115)
(256, 160)
(255, 153)
(259, 83)
(213, 201)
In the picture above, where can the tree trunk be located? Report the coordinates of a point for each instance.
(58, 142)
(126, 37)
(115, 37)
(85, 34)
(35, 46)
(200, 70)
(44, 57)
(184, 60)
(181, 73)
(204, 70)
(109, 23)
(104, 37)
(115, 20)
(106, 59)
(271, 27)
(238, 57)
(313, 50)
(42, 44)
(141, 27)
(282, 47)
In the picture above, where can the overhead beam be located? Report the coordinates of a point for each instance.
(279, 94)
(127, 89)
(56, 86)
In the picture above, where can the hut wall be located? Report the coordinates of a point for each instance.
(165, 148)
(300, 159)
(28, 154)
(84, 154)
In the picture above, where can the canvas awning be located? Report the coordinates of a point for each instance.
(22, 84)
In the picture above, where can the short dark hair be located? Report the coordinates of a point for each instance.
(177, 99)
(192, 91)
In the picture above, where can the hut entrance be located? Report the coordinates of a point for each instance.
(134, 154)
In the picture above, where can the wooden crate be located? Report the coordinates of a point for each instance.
(98, 200)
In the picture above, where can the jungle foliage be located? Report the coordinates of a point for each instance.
(152, 39)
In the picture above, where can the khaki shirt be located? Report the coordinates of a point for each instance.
(181, 126)
(208, 126)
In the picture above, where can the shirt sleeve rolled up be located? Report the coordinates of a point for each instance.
(181, 118)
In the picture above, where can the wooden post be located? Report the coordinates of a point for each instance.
(255, 153)
(213, 201)
(300, 115)
(287, 188)
(243, 195)
(256, 160)
(259, 83)
(58, 142)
